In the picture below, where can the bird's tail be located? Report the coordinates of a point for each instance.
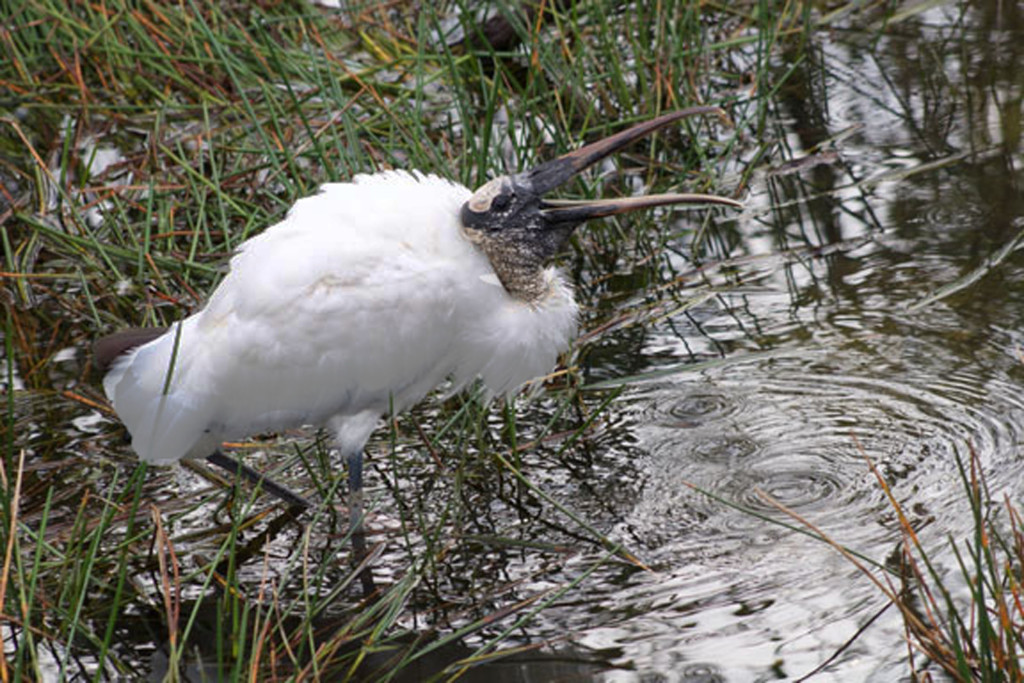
(146, 385)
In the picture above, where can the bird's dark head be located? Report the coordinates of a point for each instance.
(520, 231)
(506, 219)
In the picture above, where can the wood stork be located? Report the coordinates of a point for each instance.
(363, 299)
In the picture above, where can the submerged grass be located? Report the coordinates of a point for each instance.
(141, 142)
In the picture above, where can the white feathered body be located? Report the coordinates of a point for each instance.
(365, 297)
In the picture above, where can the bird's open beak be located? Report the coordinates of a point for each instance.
(551, 174)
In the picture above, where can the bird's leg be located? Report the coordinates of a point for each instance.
(354, 462)
(351, 432)
(237, 468)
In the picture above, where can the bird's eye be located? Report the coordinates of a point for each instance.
(501, 202)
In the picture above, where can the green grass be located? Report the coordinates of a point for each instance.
(980, 636)
(221, 116)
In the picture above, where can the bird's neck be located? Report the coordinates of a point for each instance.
(519, 270)
(517, 263)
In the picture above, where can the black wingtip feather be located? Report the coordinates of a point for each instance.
(105, 350)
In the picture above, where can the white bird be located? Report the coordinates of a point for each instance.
(366, 297)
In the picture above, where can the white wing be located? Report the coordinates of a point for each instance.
(344, 304)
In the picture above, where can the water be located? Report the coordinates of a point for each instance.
(869, 309)
(854, 353)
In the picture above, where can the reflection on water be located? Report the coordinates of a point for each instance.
(562, 664)
(914, 143)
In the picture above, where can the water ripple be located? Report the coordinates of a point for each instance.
(796, 431)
